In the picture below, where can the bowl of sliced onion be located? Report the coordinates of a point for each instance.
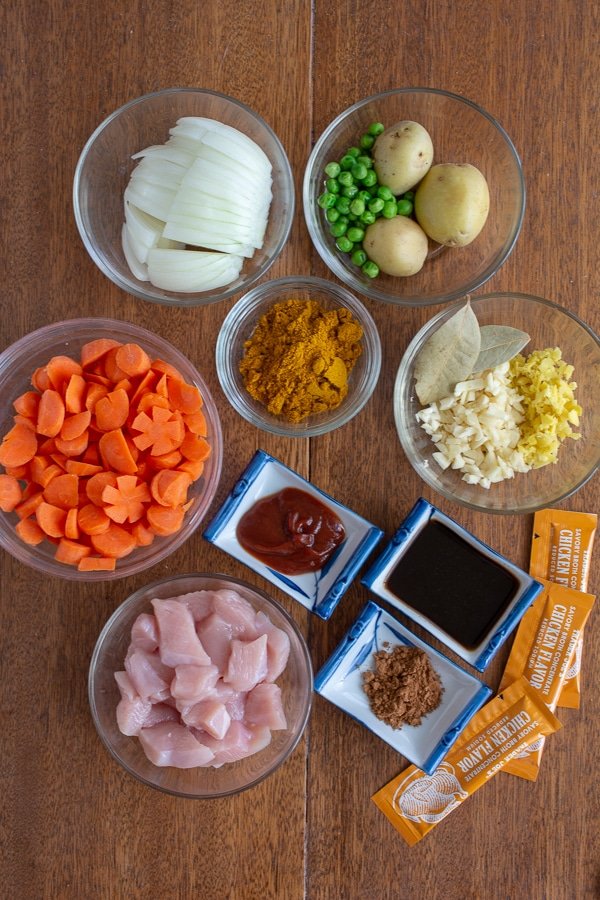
(183, 197)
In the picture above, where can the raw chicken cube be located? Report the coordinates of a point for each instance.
(144, 632)
(235, 701)
(179, 643)
(150, 677)
(216, 635)
(278, 646)
(247, 663)
(132, 714)
(170, 744)
(200, 603)
(236, 611)
(160, 712)
(126, 686)
(260, 737)
(193, 683)
(264, 707)
(235, 744)
(211, 716)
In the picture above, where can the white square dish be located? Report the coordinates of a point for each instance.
(341, 677)
(319, 591)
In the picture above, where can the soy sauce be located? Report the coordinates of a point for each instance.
(453, 584)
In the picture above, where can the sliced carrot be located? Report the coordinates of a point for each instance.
(27, 404)
(115, 541)
(51, 519)
(195, 447)
(42, 471)
(194, 468)
(145, 385)
(159, 365)
(18, 472)
(163, 431)
(116, 454)
(75, 394)
(162, 387)
(93, 351)
(59, 459)
(95, 486)
(184, 397)
(188, 505)
(47, 447)
(91, 455)
(71, 526)
(60, 369)
(196, 423)
(75, 425)
(92, 520)
(143, 536)
(170, 488)
(125, 502)
(40, 379)
(74, 467)
(75, 447)
(94, 393)
(112, 370)
(99, 379)
(97, 564)
(124, 385)
(51, 413)
(29, 531)
(11, 493)
(63, 491)
(164, 520)
(132, 360)
(24, 420)
(166, 461)
(29, 505)
(152, 399)
(71, 552)
(19, 446)
(112, 410)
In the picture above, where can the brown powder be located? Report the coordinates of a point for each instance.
(404, 686)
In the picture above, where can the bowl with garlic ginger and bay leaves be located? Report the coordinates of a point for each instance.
(298, 356)
(495, 403)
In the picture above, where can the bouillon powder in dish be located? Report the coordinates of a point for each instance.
(450, 582)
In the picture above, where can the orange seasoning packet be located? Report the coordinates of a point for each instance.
(543, 649)
(415, 802)
(561, 549)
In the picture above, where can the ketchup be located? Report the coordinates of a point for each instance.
(291, 531)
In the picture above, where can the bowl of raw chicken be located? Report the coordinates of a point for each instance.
(200, 685)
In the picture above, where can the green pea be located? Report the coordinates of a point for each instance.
(405, 207)
(353, 151)
(342, 204)
(390, 209)
(366, 161)
(385, 193)
(357, 207)
(375, 128)
(409, 195)
(332, 185)
(355, 234)
(352, 217)
(359, 257)
(365, 196)
(370, 179)
(376, 205)
(350, 191)
(339, 228)
(332, 169)
(346, 178)
(359, 171)
(346, 162)
(344, 244)
(326, 200)
(332, 215)
(370, 269)
(344, 220)
(366, 141)
(367, 218)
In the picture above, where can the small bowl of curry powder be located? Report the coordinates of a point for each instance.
(298, 356)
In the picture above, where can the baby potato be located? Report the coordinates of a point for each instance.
(402, 155)
(398, 246)
(452, 203)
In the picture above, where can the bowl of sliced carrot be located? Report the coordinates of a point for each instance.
(110, 449)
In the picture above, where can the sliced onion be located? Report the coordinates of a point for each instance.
(143, 231)
(138, 269)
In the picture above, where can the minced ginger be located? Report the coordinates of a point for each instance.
(299, 357)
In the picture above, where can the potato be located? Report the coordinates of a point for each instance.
(398, 245)
(402, 155)
(452, 203)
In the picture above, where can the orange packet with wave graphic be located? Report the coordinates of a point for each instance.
(543, 651)
(415, 802)
(561, 550)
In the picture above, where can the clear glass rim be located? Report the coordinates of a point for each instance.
(153, 296)
(402, 375)
(332, 260)
(247, 305)
(130, 602)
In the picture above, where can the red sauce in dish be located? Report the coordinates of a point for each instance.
(291, 531)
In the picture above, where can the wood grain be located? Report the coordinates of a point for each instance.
(73, 825)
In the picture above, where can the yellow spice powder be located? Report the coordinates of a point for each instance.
(298, 360)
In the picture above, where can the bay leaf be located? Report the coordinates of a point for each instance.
(499, 343)
(447, 356)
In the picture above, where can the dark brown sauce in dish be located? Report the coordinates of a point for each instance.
(453, 584)
(291, 531)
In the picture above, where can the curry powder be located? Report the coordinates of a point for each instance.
(299, 357)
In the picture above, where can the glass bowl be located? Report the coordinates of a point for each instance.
(17, 364)
(105, 165)
(548, 325)
(296, 684)
(461, 132)
(239, 326)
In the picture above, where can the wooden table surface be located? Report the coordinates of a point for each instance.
(73, 824)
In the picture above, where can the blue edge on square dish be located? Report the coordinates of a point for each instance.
(328, 603)
(420, 514)
(327, 671)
